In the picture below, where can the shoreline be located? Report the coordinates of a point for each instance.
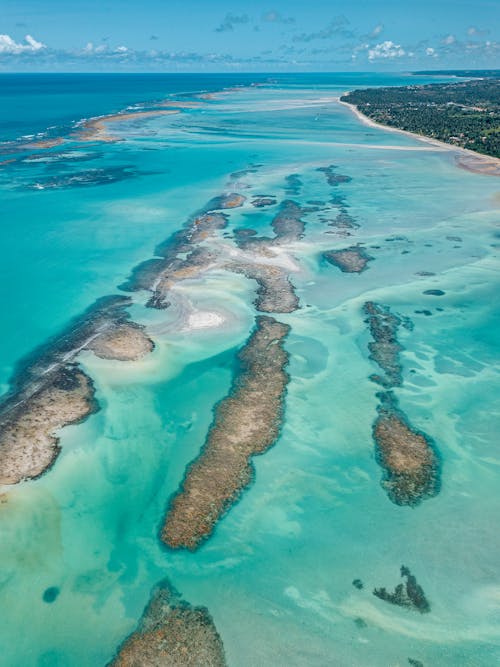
(476, 163)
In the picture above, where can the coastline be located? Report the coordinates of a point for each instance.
(465, 158)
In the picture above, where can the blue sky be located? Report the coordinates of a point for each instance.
(262, 35)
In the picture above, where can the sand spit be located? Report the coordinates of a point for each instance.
(49, 390)
(246, 423)
(96, 129)
(172, 633)
(407, 456)
(28, 444)
(349, 260)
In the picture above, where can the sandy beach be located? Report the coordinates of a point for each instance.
(465, 158)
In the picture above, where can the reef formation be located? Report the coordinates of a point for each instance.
(407, 455)
(49, 390)
(353, 259)
(409, 594)
(246, 423)
(171, 633)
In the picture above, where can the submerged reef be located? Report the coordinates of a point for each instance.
(385, 347)
(407, 456)
(332, 178)
(353, 259)
(409, 594)
(293, 185)
(246, 423)
(260, 201)
(171, 633)
(82, 179)
(49, 390)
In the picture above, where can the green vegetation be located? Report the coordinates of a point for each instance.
(465, 113)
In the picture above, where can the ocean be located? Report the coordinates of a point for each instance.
(277, 573)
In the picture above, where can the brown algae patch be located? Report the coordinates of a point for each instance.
(172, 633)
(349, 260)
(246, 423)
(407, 456)
(28, 440)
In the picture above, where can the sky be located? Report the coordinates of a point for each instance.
(262, 35)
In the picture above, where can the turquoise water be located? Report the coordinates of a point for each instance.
(277, 573)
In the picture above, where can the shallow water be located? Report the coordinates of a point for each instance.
(277, 574)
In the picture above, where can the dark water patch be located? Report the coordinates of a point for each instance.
(332, 177)
(408, 594)
(83, 179)
(294, 185)
(357, 583)
(423, 312)
(50, 594)
(360, 623)
(454, 238)
(425, 273)
(434, 292)
(415, 663)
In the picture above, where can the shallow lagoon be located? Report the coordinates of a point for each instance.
(277, 574)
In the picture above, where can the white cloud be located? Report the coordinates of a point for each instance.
(387, 49)
(476, 32)
(429, 51)
(451, 39)
(30, 45)
(377, 30)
